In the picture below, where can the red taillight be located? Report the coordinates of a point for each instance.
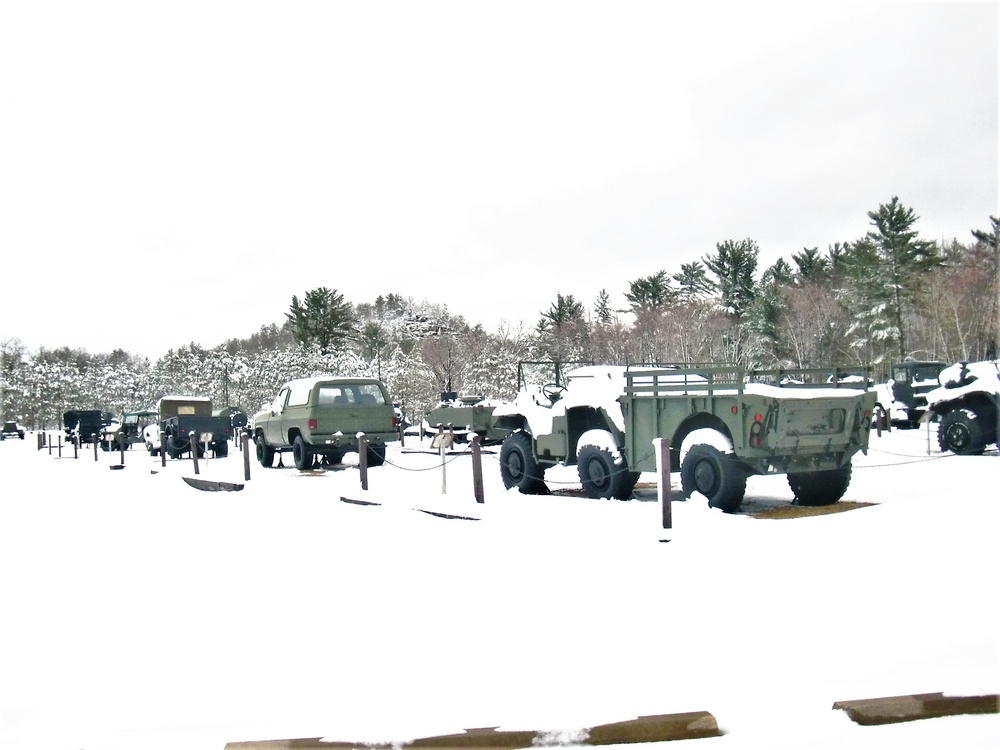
(757, 417)
(734, 410)
(313, 424)
(395, 422)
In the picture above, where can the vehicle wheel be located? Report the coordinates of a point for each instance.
(716, 475)
(376, 455)
(173, 452)
(105, 446)
(960, 432)
(518, 467)
(301, 455)
(819, 487)
(221, 449)
(601, 477)
(265, 453)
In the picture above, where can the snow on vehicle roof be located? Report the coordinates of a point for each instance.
(313, 380)
(986, 376)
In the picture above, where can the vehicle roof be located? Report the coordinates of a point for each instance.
(334, 379)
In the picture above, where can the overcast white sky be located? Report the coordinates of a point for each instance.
(211, 159)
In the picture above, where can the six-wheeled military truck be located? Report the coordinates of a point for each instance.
(320, 418)
(967, 406)
(723, 423)
(180, 418)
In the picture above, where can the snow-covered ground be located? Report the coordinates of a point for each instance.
(141, 614)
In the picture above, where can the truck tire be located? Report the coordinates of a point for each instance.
(221, 449)
(518, 467)
(819, 487)
(601, 477)
(716, 475)
(376, 454)
(265, 453)
(961, 432)
(301, 455)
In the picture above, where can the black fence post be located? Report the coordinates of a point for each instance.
(477, 470)
(244, 440)
(194, 452)
(363, 459)
(665, 482)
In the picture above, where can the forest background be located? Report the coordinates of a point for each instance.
(885, 297)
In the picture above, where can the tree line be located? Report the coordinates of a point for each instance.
(887, 296)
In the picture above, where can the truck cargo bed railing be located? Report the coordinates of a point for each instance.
(657, 381)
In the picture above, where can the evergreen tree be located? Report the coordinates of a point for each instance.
(734, 265)
(990, 239)
(602, 308)
(810, 265)
(563, 312)
(323, 320)
(693, 281)
(885, 269)
(650, 293)
(562, 330)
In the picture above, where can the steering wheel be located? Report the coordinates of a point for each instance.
(552, 391)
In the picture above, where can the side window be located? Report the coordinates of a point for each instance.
(299, 395)
(279, 401)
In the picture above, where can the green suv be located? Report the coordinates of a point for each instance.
(319, 419)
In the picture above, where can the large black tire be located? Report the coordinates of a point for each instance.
(376, 454)
(518, 467)
(265, 453)
(719, 477)
(221, 449)
(961, 432)
(301, 455)
(819, 487)
(601, 477)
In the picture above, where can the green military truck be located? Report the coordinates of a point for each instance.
(320, 418)
(724, 424)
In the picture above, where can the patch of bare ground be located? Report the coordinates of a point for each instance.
(801, 511)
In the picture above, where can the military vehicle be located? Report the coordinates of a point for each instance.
(83, 425)
(464, 416)
(181, 417)
(903, 397)
(12, 429)
(724, 424)
(966, 406)
(320, 418)
(127, 430)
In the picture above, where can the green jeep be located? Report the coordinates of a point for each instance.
(319, 418)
